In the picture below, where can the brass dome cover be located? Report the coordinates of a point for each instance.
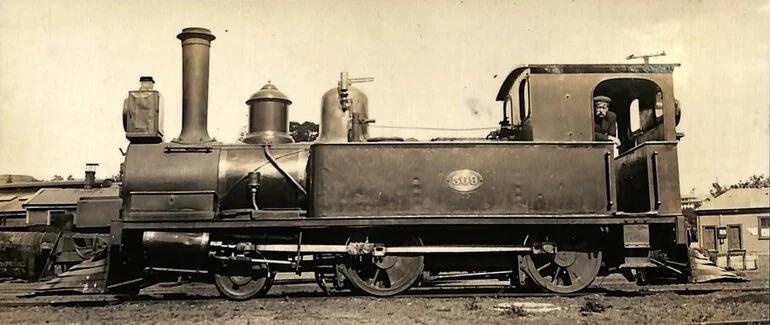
(268, 92)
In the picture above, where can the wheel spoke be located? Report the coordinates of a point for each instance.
(556, 275)
(543, 267)
(373, 280)
(572, 275)
(387, 281)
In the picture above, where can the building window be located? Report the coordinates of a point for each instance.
(54, 216)
(764, 227)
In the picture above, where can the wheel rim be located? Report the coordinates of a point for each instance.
(565, 271)
(239, 282)
(385, 276)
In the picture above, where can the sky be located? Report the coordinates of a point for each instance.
(66, 66)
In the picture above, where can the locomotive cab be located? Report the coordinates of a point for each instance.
(554, 103)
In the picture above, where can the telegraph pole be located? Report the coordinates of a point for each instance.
(646, 57)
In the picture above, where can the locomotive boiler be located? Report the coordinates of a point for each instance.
(537, 202)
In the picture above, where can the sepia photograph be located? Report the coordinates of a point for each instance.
(385, 162)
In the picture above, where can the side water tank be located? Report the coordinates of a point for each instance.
(268, 117)
(335, 123)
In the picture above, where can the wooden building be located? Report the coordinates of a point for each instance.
(735, 227)
(16, 199)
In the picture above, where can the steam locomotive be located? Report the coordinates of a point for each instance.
(538, 202)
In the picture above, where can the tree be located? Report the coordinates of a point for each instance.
(754, 181)
(57, 178)
(305, 132)
(717, 190)
(70, 178)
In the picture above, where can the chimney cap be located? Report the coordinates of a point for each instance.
(91, 167)
(146, 78)
(196, 32)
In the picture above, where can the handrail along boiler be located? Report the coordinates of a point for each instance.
(537, 202)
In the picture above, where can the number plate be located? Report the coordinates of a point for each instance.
(464, 180)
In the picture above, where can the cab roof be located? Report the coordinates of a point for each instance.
(582, 68)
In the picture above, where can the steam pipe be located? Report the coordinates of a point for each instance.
(283, 172)
(196, 43)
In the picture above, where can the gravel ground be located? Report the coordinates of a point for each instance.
(668, 308)
(284, 306)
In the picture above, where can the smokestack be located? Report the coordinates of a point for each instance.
(90, 176)
(196, 43)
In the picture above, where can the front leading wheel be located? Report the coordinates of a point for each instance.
(238, 281)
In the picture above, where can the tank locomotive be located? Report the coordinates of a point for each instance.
(538, 202)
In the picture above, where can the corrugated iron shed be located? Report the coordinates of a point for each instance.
(739, 198)
(11, 204)
(60, 197)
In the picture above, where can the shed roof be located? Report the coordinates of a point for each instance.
(11, 203)
(66, 196)
(739, 198)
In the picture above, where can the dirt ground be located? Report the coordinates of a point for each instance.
(668, 308)
(284, 306)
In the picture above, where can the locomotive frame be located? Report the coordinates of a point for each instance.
(538, 202)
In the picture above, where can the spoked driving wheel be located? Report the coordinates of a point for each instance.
(565, 271)
(238, 281)
(387, 275)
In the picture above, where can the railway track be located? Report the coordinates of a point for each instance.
(19, 295)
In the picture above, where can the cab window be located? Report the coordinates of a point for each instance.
(637, 104)
(524, 100)
(517, 103)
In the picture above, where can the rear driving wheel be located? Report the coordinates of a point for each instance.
(565, 271)
(387, 275)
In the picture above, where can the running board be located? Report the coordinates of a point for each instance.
(375, 249)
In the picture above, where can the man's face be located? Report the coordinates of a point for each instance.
(601, 108)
